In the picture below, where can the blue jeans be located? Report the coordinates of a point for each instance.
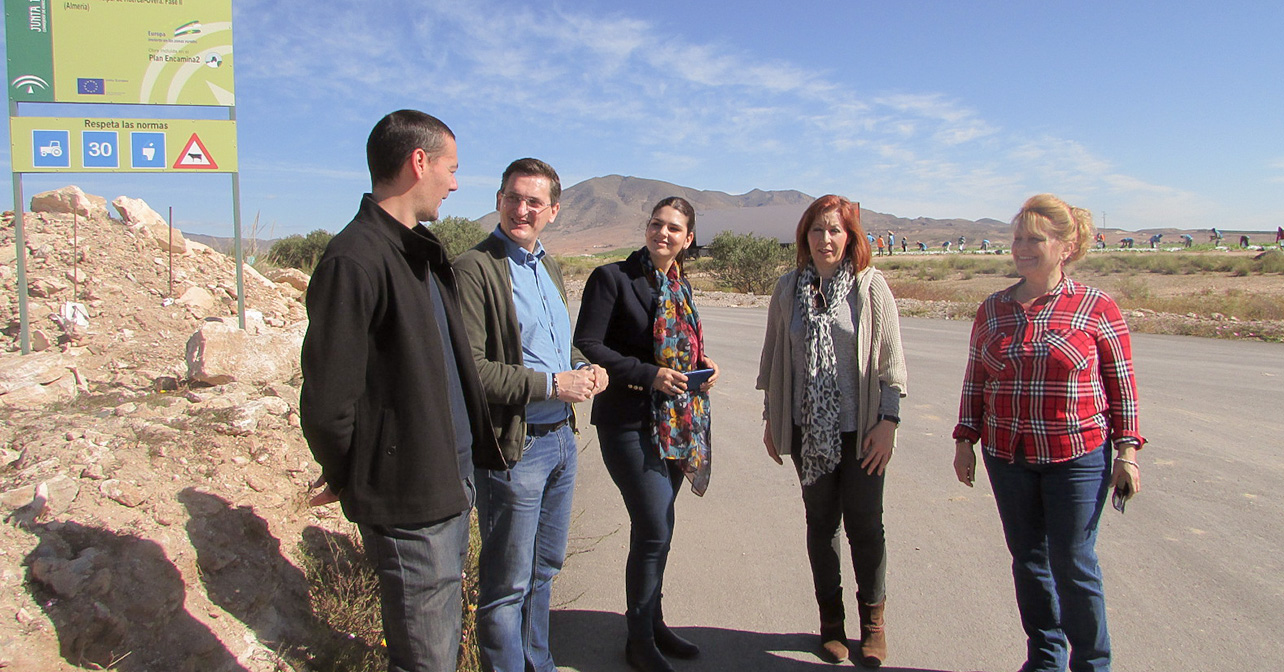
(649, 486)
(524, 515)
(420, 569)
(1050, 514)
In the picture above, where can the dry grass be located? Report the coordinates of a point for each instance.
(345, 600)
(1180, 293)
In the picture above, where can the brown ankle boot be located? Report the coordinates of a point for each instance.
(833, 639)
(873, 641)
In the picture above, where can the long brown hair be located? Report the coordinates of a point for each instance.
(849, 214)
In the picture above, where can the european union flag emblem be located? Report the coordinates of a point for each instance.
(87, 86)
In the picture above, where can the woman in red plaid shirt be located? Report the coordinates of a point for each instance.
(1050, 394)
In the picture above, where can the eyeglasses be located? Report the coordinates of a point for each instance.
(534, 205)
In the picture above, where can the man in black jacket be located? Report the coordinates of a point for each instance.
(391, 406)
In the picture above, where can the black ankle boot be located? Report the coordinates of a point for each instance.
(668, 641)
(671, 643)
(643, 656)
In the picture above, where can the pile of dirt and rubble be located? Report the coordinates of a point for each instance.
(152, 473)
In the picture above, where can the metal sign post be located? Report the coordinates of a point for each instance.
(20, 247)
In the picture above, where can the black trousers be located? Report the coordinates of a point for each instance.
(852, 499)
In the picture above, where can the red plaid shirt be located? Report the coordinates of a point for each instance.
(1053, 382)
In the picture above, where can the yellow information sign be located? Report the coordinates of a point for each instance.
(156, 52)
(61, 144)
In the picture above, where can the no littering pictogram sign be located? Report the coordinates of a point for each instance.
(195, 156)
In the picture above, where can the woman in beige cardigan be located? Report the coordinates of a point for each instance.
(833, 374)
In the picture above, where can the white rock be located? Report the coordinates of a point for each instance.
(143, 219)
(289, 276)
(275, 405)
(199, 300)
(39, 369)
(70, 200)
(219, 353)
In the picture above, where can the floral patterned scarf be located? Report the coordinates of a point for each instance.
(680, 427)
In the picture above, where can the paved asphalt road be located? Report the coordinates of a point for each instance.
(1193, 570)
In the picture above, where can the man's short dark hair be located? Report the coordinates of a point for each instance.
(398, 135)
(534, 168)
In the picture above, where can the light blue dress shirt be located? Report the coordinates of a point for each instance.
(545, 324)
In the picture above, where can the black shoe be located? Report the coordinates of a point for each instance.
(671, 644)
(645, 657)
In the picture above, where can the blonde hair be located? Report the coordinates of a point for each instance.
(1060, 220)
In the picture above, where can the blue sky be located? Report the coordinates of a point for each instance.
(1150, 114)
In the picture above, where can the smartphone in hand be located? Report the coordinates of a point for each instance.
(696, 379)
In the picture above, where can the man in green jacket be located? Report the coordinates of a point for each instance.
(514, 306)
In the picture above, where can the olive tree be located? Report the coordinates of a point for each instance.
(301, 252)
(457, 234)
(747, 262)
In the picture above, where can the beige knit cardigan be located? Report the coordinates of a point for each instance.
(878, 342)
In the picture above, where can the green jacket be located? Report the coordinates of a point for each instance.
(486, 301)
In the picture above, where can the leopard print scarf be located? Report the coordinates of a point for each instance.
(821, 429)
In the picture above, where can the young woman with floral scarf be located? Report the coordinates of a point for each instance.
(833, 374)
(637, 320)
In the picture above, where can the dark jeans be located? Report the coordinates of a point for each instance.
(420, 569)
(853, 499)
(649, 486)
(1050, 514)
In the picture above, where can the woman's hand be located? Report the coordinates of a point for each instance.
(770, 443)
(964, 462)
(878, 447)
(1125, 472)
(710, 364)
(670, 381)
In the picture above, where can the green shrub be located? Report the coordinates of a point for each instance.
(300, 252)
(747, 262)
(458, 234)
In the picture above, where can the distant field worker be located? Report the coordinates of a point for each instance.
(904, 244)
(880, 246)
(1187, 240)
(1154, 240)
(1279, 236)
(891, 243)
(1244, 242)
(833, 374)
(1049, 393)
(1126, 243)
(922, 246)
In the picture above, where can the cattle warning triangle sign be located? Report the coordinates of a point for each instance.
(195, 157)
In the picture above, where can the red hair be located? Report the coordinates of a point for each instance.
(849, 214)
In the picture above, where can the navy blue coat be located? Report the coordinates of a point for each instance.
(614, 331)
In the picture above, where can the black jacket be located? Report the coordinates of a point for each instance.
(374, 396)
(614, 331)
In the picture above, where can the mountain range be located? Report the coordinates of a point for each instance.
(610, 212)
